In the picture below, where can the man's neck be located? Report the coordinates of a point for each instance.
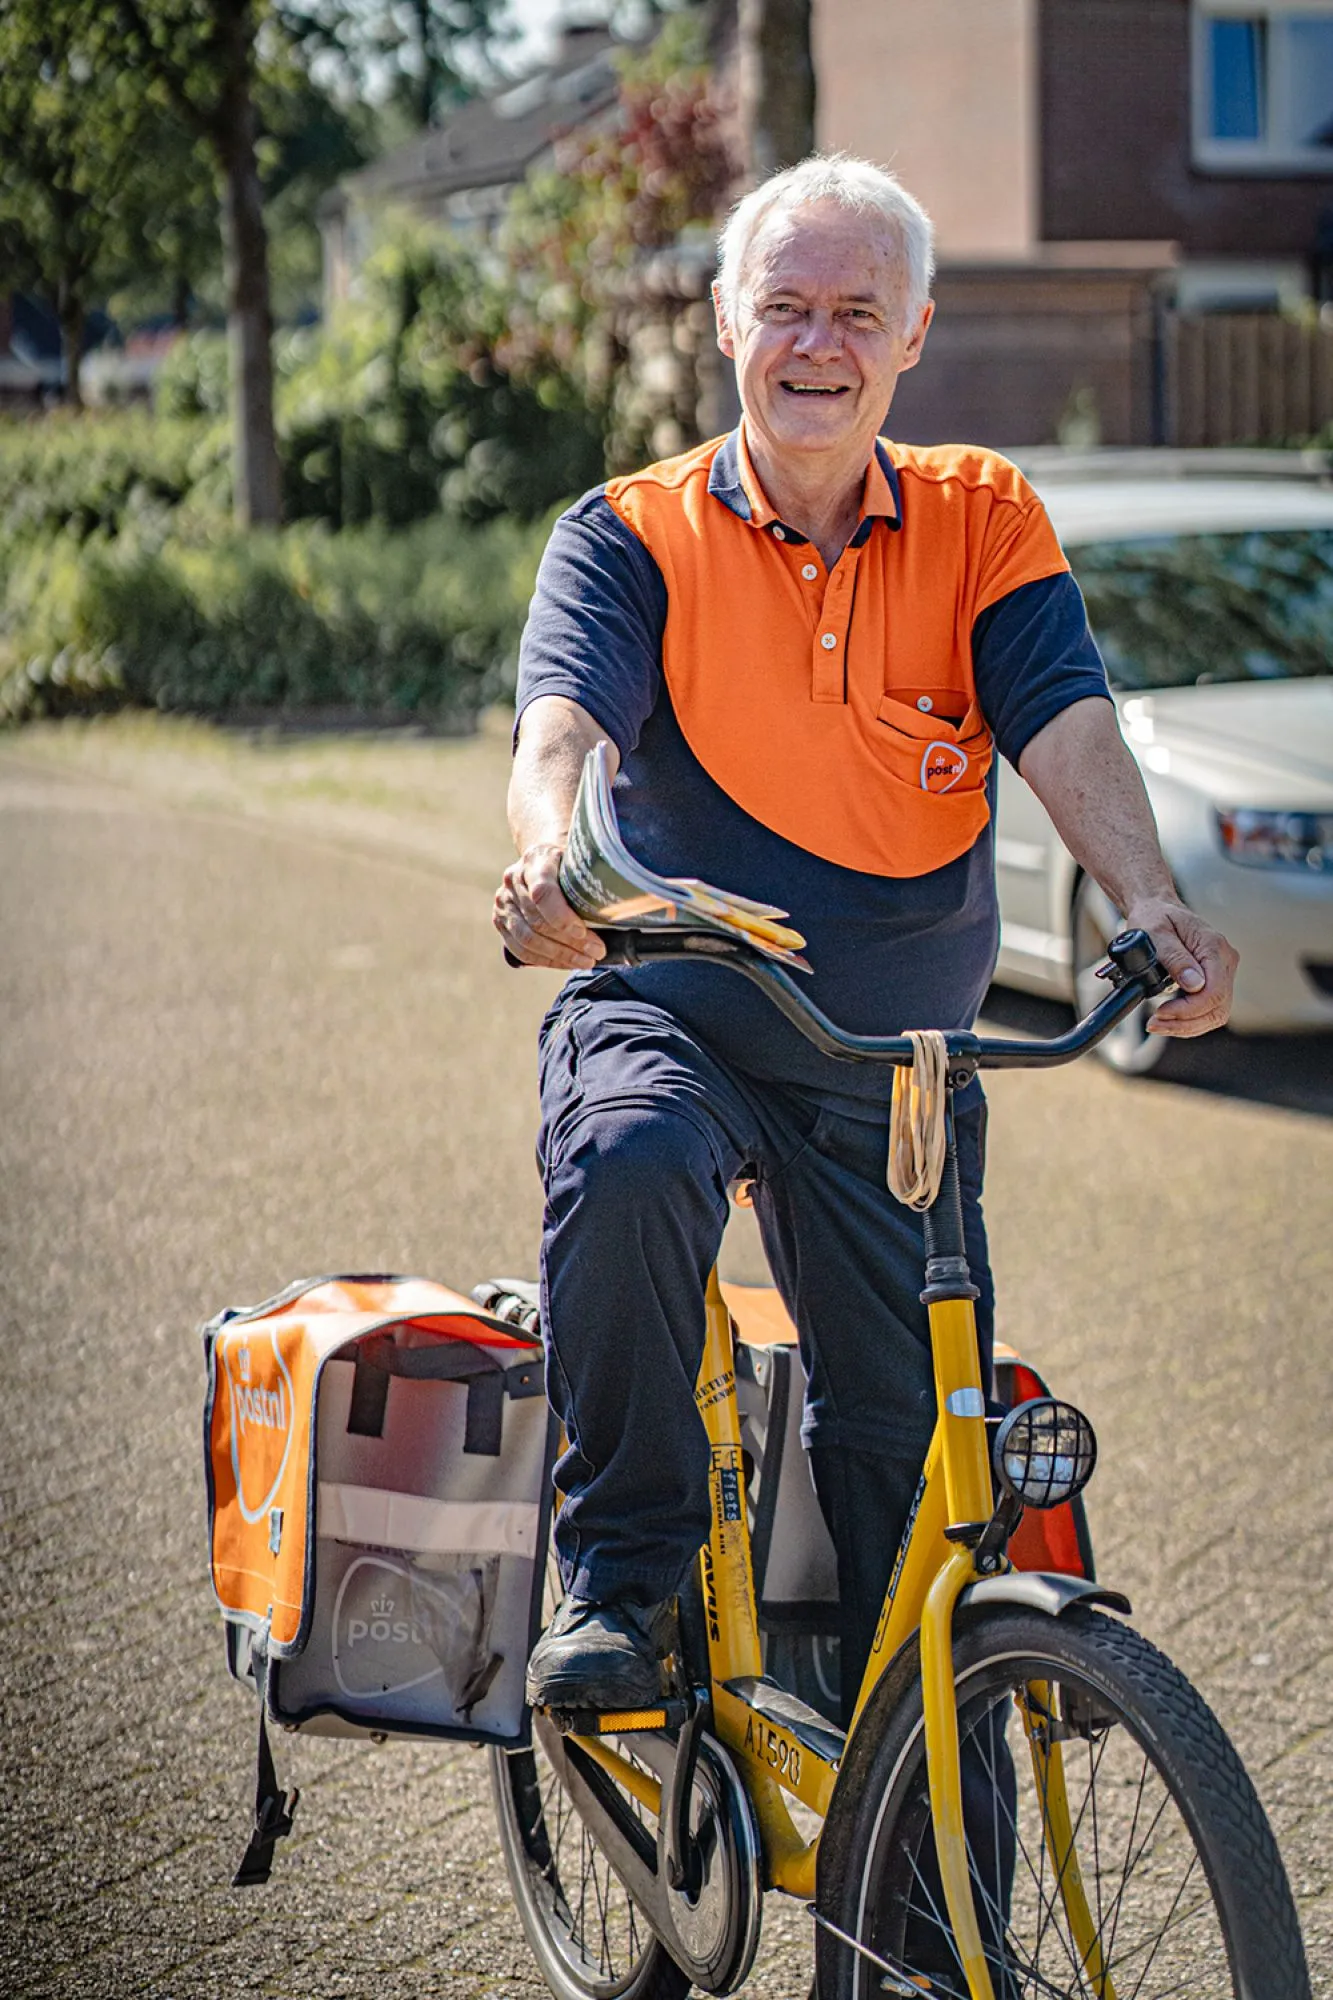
(821, 501)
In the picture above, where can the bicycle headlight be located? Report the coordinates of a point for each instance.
(1044, 1452)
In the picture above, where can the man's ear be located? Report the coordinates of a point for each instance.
(724, 335)
(917, 338)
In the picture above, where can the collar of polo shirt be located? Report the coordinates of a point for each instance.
(734, 481)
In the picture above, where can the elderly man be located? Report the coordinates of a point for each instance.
(802, 643)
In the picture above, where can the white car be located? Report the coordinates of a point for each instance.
(1209, 582)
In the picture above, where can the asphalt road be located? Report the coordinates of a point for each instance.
(254, 1027)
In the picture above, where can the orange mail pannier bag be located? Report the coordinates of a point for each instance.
(378, 1457)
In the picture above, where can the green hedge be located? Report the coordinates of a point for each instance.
(96, 475)
(420, 624)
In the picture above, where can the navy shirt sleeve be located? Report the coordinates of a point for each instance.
(1033, 655)
(594, 630)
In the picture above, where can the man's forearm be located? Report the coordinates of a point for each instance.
(554, 739)
(1082, 771)
(531, 914)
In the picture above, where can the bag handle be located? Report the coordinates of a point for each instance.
(378, 1356)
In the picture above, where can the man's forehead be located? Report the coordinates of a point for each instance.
(823, 240)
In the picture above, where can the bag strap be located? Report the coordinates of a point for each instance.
(488, 1382)
(274, 1809)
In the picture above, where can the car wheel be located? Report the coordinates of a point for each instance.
(1129, 1048)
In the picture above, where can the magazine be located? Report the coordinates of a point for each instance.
(606, 885)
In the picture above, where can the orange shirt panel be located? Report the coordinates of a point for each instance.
(839, 708)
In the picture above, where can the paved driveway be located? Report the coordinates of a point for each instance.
(254, 1027)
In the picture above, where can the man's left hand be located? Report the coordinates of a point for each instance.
(1197, 957)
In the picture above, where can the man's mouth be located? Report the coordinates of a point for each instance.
(815, 388)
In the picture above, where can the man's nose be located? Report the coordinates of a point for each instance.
(820, 337)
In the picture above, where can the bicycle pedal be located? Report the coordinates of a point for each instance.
(618, 1721)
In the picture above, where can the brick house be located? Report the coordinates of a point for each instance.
(1134, 201)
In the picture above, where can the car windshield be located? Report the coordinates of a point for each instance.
(1185, 610)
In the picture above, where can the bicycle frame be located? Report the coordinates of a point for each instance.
(936, 1562)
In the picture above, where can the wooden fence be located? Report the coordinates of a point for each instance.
(1246, 378)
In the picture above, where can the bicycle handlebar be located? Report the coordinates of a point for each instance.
(1132, 969)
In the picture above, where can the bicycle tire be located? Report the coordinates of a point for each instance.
(589, 1940)
(1185, 1889)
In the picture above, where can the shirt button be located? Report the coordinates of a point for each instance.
(925, 704)
(809, 572)
(828, 640)
(779, 534)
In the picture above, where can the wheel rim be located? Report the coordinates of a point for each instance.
(1129, 1047)
(1153, 1915)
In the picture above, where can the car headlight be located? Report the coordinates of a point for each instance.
(1277, 839)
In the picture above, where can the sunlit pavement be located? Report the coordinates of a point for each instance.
(249, 1036)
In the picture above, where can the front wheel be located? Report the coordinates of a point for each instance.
(1117, 1847)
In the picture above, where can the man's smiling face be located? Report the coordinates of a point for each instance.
(818, 336)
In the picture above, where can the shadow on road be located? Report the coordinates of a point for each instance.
(1293, 1071)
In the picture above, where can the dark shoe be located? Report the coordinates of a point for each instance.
(600, 1656)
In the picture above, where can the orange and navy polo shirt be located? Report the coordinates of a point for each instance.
(820, 739)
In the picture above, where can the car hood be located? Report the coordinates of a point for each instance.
(1245, 743)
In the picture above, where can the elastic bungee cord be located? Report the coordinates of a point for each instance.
(917, 1136)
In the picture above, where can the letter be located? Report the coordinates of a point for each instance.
(379, 1630)
(402, 1631)
(356, 1629)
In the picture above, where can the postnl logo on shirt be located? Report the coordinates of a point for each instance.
(260, 1389)
(942, 765)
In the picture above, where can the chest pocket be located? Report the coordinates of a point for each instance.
(942, 763)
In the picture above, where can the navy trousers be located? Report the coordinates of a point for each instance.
(643, 1127)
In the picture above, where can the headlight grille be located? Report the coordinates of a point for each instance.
(1045, 1452)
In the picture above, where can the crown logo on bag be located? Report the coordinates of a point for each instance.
(243, 1363)
(381, 1607)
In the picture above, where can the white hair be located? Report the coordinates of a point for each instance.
(853, 184)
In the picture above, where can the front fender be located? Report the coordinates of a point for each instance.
(1039, 1590)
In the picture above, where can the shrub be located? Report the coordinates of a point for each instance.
(420, 625)
(89, 475)
(418, 399)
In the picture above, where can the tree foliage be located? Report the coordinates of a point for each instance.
(422, 57)
(573, 235)
(99, 174)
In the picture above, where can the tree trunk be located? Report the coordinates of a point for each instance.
(258, 494)
(776, 77)
(69, 307)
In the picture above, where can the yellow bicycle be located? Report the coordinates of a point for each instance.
(1031, 1802)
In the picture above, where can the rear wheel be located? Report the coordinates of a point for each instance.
(587, 1936)
(1182, 1890)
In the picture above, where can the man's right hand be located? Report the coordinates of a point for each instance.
(535, 921)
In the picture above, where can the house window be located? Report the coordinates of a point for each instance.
(1263, 86)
